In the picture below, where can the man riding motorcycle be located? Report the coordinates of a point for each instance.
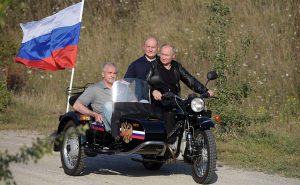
(170, 73)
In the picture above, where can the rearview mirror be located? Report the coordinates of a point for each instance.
(212, 75)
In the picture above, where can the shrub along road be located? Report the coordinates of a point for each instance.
(112, 170)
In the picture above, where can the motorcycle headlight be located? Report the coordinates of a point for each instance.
(197, 104)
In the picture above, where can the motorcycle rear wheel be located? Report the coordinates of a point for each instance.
(204, 166)
(72, 153)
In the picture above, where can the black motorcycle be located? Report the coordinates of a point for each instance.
(136, 129)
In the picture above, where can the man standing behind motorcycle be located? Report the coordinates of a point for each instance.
(170, 73)
(140, 67)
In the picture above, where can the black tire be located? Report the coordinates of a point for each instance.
(72, 153)
(152, 165)
(204, 166)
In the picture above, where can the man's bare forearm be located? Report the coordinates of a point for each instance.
(83, 109)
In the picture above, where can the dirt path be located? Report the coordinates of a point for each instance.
(115, 170)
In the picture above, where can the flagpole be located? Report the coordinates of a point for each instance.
(81, 10)
(70, 88)
(73, 69)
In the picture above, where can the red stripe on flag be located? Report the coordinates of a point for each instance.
(138, 137)
(60, 59)
(98, 128)
(65, 57)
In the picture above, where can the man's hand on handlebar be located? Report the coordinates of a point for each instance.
(208, 94)
(211, 93)
(156, 95)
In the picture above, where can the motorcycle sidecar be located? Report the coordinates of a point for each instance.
(134, 130)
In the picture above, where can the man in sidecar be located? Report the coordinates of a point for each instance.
(98, 96)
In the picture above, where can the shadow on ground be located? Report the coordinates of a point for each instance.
(123, 165)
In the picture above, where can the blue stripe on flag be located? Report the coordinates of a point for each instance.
(41, 47)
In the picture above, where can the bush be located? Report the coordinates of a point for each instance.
(4, 96)
(290, 110)
(231, 89)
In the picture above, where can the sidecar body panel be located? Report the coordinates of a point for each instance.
(134, 124)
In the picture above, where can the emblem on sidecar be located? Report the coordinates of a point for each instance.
(126, 132)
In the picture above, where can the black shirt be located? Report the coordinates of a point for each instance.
(168, 76)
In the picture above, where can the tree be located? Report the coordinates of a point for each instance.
(231, 90)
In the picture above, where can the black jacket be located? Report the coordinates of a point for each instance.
(180, 74)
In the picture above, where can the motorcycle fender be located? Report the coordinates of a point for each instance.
(204, 123)
(63, 120)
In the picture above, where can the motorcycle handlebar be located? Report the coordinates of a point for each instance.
(169, 95)
(205, 95)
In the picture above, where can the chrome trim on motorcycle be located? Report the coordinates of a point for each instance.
(139, 149)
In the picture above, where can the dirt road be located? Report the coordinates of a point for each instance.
(115, 170)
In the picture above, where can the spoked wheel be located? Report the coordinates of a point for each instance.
(72, 154)
(204, 165)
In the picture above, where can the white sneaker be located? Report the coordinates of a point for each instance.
(173, 146)
(180, 157)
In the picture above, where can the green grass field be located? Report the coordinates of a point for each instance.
(114, 31)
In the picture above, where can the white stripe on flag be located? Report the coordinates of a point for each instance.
(66, 17)
(138, 132)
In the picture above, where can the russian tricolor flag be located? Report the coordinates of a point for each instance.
(96, 126)
(138, 134)
(51, 43)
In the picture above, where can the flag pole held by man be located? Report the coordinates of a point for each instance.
(51, 43)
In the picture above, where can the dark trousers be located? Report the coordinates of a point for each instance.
(167, 114)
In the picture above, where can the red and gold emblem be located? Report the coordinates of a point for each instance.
(126, 132)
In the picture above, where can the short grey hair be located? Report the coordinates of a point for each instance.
(108, 64)
(151, 37)
(169, 45)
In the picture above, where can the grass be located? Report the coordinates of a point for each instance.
(22, 116)
(114, 31)
(33, 111)
(273, 150)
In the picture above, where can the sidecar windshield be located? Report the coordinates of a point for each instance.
(131, 97)
(131, 90)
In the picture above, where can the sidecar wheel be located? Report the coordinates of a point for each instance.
(204, 165)
(72, 154)
(152, 165)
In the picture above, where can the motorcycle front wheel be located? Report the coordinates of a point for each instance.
(72, 153)
(204, 163)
